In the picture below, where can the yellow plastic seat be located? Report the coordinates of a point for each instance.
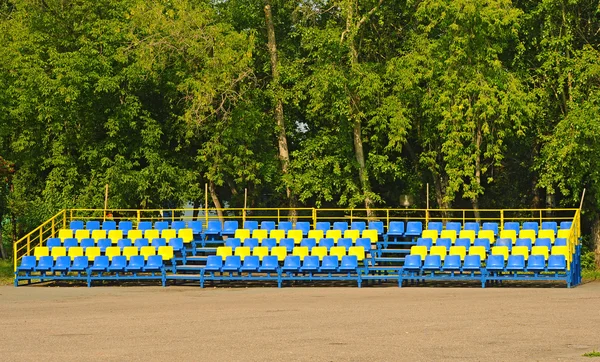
(115, 235)
(556, 250)
(296, 235)
(92, 252)
(300, 251)
(547, 234)
(334, 234)
(316, 234)
(478, 250)
(320, 251)
(224, 251)
(520, 250)
(98, 234)
(187, 235)
(487, 234)
(261, 252)
(358, 251)
(500, 250)
(135, 234)
(419, 250)
(448, 234)
(431, 234)
(147, 251)
(242, 252)
(279, 251)
(81, 234)
(151, 234)
(112, 251)
(168, 234)
(352, 234)
(509, 234)
(130, 251)
(277, 235)
(166, 252)
(260, 234)
(75, 251)
(540, 250)
(467, 234)
(40, 251)
(564, 233)
(458, 250)
(242, 234)
(338, 251)
(439, 250)
(65, 234)
(371, 234)
(527, 234)
(58, 251)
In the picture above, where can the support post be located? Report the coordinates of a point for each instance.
(206, 202)
(105, 201)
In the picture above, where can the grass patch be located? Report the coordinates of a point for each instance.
(592, 354)
(6, 272)
(590, 275)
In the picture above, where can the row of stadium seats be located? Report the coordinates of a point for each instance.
(281, 252)
(493, 226)
(461, 251)
(313, 234)
(493, 263)
(115, 235)
(166, 252)
(308, 242)
(486, 242)
(291, 264)
(176, 243)
(488, 234)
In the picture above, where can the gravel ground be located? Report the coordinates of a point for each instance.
(110, 323)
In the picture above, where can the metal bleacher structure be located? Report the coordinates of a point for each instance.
(338, 246)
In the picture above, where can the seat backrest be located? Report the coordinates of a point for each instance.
(309, 243)
(345, 242)
(458, 250)
(493, 226)
(178, 224)
(58, 251)
(445, 242)
(251, 225)
(140, 243)
(155, 261)
(130, 251)
(197, 226)
(300, 251)
(112, 251)
(92, 225)
(311, 261)
(135, 234)
(267, 225)
(338, 251)
(69, 243)
(92, 252)
(566, 224)
(412, 261)
(75, 252)
(285, 226)
(500, 250)
(168, 234)
(449, 234)
(453, 261)
(233, 243)
(101, 261)
(426, 242)
(52, 242)
(396, 227)
(377, 225)
(224, 251)
(319, 251)
(564, 233)
(151, 234)
(260, 234)
(303, 226)
(479, 251)
(45, 262)
(433, 261)
(144, 225)
(557, 262)
(524, 242)
(176, 244)
(323, 225)
(509, 234)
(214, 261)
(104, 243)
(292, 261)
(504, 242)
(230, 226)
(546, 242)
(125, 225)
(454, 225)
(357, 251)
(430, 234)
(333, 234)
(495, 261)
(438, 250)
(82, 234)
(464, 242)
(146, 251)
(536, 261)
(541, 250)
(349, 262)
(329, 262)
(76, 225)
(243, 234)
(531, 225)
(550, 225)
(527, 234)
(328, 243)
(340, 225)
(233, 261)
(251, 261)
(81, 262)
(279, 251)
(515, 262)
(98, 234)
(65, 234)
(214, 226)
(242, 252)
(261, 252)
(186, 234)
(467, 234)
(435, 225)
(472, 225)
(487, 234)
(316, 234)
(277, 234)
(86, 243)
(158, 242)
(546, 234)
(352, 234)
(560, 242)
(109, 225)
(288, 244)
(270, 261)
(472, 261)
(482, 242)
(556, 250)
(296, 235)
(136, 261)
(418, 250)
(520, 250)
(512, 225)
(252, 242)
(371, 234)
(115, 235)
(358, 225)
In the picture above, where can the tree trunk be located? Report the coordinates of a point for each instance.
(2, 251)
(196, 211)
(215, 198)
(475, 199)
(284, 155)
(596, 239)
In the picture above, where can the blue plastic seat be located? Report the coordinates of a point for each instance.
(309, 243)
(365, 243)
(329, 264)
(524, 242)
(531, 225)
(214, 228)
(435, 225)
(233, 263)
(178, 225)
(512, 225)
(154, 263)
(412, 262)
(544, 242)
(396, 229)
(491, 226)
(229, 228)
(285, 225)
(472, 263)
(27, 264)
(452, 262)
(345, 242)
(100, 263)
(87, 242)
(340, 225)
(471, 225)
(465, 242)
(288, 243)
(109, 225)
(233, 243)
(76, 225)
(251, 225)
(432, 263)
(495, 262)
(52, 242)
(560, 242)
(566, 224)
(197, 226)
(46, 263)
(136, 264)
(161, 225)
(557, 263)
(426, 242)
(214, 263)
(125, 226)
(144, 225)
(454, 225)
(348, 264)
(483, 242)
(92, 225)
(536, 263)
(323, 225)
(445, 242)
(158, 242)
(122, 243)
(176, 244)
(515, 263)
(326, 242)
(358, 225)
(103, 244)
(70, 242)
(80, 264)
(140, 243)
(267, 225)
(504, 242)
(304, 226)
(269, 264)
(268, 242)
(118, 263)
(310, 264)
(291, 264)
(550, 225)
(413, 228)
(251, 264)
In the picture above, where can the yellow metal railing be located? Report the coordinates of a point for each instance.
(37, 237)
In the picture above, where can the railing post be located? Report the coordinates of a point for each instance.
(314, 217)
(387, 219)
(65, 218)
(28, 244)
(53, 229)
(351, 215)
(138, 216)
(277, 216)
(243, 216)
(501, 219)
(426, 217)
(41, 236)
